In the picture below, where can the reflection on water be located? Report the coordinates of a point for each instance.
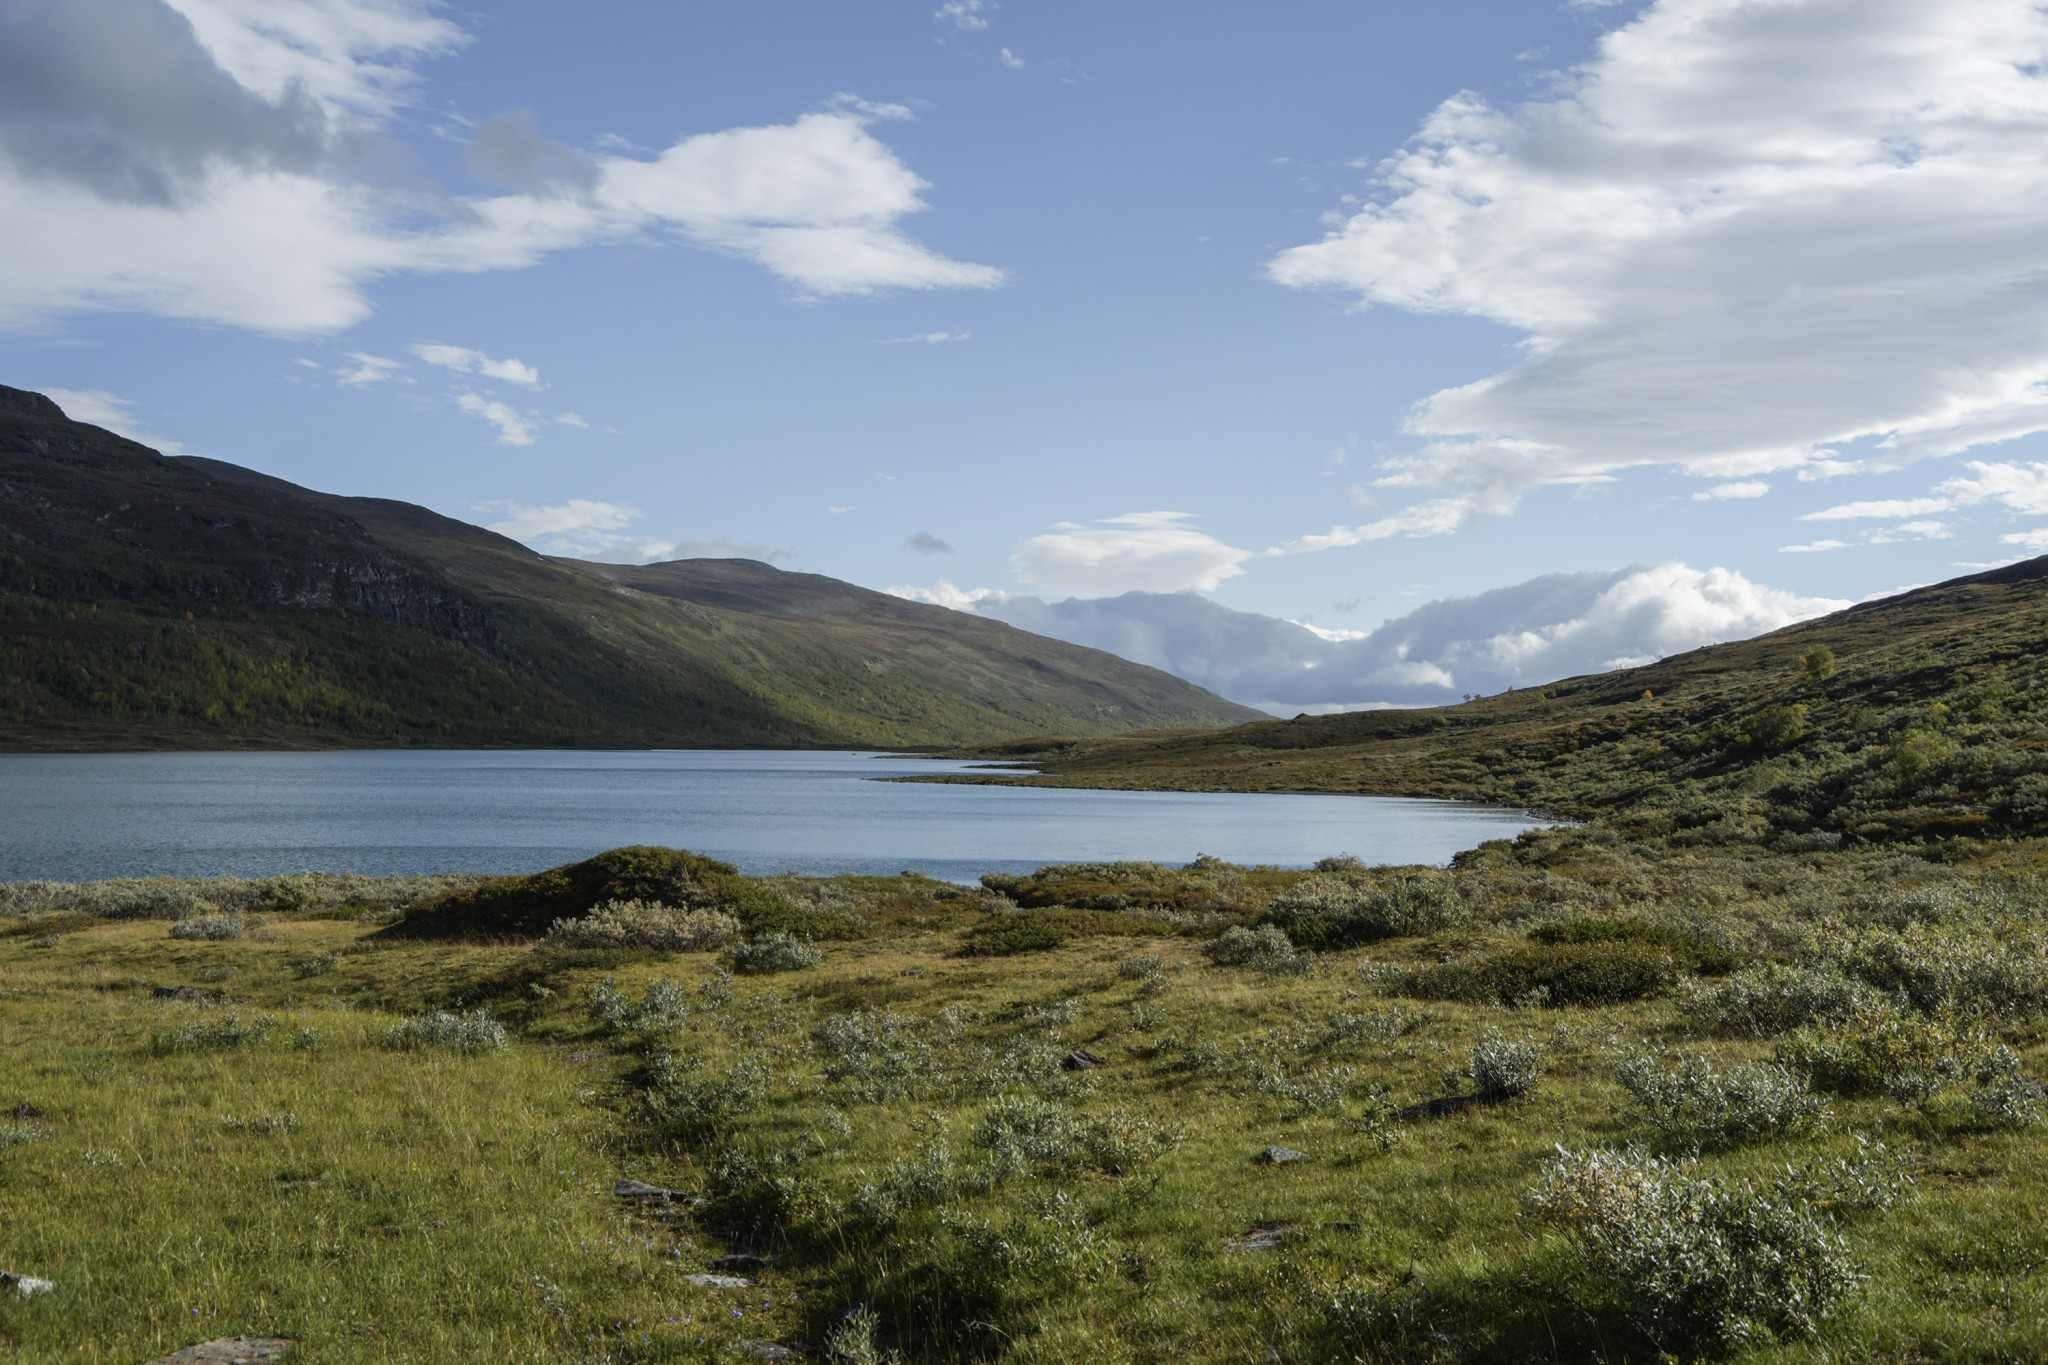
(74, 817)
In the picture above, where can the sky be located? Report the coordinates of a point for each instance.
(1328, 353)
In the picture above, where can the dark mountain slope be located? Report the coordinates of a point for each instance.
(1929, 723)
(148, 601)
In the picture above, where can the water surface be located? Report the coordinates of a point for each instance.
(75, 817)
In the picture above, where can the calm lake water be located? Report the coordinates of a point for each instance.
(75, 817)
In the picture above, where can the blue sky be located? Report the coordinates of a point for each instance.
(1322, 310)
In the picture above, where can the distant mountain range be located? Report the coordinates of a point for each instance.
(149, 601)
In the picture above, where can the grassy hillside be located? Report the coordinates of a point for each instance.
(152, 602)
(1576, 1099)
(1928, 721)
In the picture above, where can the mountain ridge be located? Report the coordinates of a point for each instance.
(153, 601)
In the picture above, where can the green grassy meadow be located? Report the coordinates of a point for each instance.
(893, 1130)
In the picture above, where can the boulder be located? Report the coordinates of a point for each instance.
(230, 1351)
(1281, 1156)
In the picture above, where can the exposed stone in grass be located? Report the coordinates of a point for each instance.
(1281, 1156)
(720, 1281)
(27, 1286)
(230, 1351)
(1080, 1061)
(1261, 1237)
(639, 1191)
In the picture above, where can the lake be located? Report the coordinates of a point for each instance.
(77, 817)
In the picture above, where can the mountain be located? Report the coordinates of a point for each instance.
(174, 602)
(1921, 718)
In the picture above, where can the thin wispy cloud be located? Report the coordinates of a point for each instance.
(462, 360)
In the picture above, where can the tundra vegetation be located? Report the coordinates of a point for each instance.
(1582, 1096)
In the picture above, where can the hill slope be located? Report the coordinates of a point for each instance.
(1932, 725)
(150, 602)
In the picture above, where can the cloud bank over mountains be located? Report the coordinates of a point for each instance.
(232, 161)
(1748, 236)
(1548, 628)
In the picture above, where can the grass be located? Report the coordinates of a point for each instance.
(895, 1131)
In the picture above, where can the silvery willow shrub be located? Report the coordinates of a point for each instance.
(215, 1035)
(662, 1008)
(1264, 949)
(852, 1341)
(878, 1055)
(469, 1033)
(1975, 967)
(1503, 1069)
(925, 1179)
(2010, 1103)
(1882, 1049)
(772, 952)
(644, 924)
(210, 927)
(1025, 1135)
(1697, 1106)
(1715, 1261)
(1765, 1001)
(1340, 911)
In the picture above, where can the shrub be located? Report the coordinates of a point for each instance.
(1014, 934)
(215, 1035)
(468, 1034)
(1340, 862)
(1967, 967)
(1702, 950)
(1145, 968)
(1763, 1002)
(878, 1055)
(772, 952)
(661, 1008)
(1505, 1070)
(317, 965)
(644, 924)
(1718, 1262)
(1550, 974)
(2010, 1103)
(1025, 1135)
(1882, 1049)
(1264, 949)
(1340, 911)
(691, 1108)
(1699, 1107)
(852, 1341)
(210, 927)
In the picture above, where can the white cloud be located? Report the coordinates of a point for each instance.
(97, 407)
(574, 517)
(928, 339)
(1139, 551)
(2036, 539)
(1814, 547)
(573, 419)
(465, 361)
(218, 162)
(1722, 492)
(1884, 507)
(2020, 488)
(586, 528)
(1535, 632)
(1745, 234)
(968, 16)
(368, 369)
(514, 427)
(655, 551)
(1908, 531)
(1010, 59)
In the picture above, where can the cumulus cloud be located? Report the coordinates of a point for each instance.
(1744, 488)
(2036, 539)
(1883, 507)
(925, 543)
(465, 361)
(573, 419)
(969, 16)
(514, 427)
(1139, 551)
(365, 369)
(97, 407)
(2021, 489)
(1743, 236)
(1548, 628)
(1813, 547)
(213, 160)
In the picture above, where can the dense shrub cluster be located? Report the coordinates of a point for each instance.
(1883, 1049)
(1264, 949)
(1550, 974)
(217, 927)
(1328, 912)
(644, 924)
(1695, 1106)
(1010, 934)
(468, 1033)
(1777, 997)
(1503, 1069)
(174, 898)
(1698, 948)
(772, 952)
(1712, 1261)
(1027, 1135)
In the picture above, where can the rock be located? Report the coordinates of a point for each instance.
(27, 1286)
(719, 1281)
(1262, 1237)
(230, 1351)
(1440, 1108)
(768, 1350)
(1080, 1061)
(641, 1191)
(1280, 1156)
(740, 1262)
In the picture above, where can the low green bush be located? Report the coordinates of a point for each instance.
(215, 1035)
(1550, 974)
(1328, 912)
(1700, 950)
(469, 1033)
(1883, 1049)
(772, 952)
(1013, 934)
(1264, 949)
(215, 927)
(1777, 997)
(1502, 1069)
(644, 924)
